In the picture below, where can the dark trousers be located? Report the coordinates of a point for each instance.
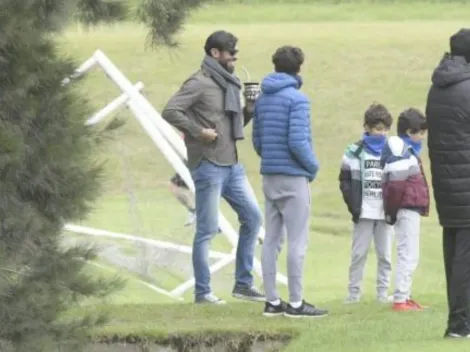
(456, 243)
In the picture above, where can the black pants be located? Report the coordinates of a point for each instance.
(456, 244)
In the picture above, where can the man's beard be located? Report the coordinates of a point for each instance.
(229, 69)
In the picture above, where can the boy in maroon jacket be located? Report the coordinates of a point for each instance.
(406, 198)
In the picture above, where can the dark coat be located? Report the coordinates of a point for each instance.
(448, 115)
(350, 179)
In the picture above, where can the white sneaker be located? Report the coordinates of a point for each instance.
(211, 299)
(351, 300)
(385, 299)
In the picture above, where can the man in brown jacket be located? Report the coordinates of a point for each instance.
(207, 109)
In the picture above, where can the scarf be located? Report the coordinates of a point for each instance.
(374, 144)
(231, 86)
(415, 146)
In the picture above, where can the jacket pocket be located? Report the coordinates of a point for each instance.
(416, 193)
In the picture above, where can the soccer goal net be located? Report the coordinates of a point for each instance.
(144, 224)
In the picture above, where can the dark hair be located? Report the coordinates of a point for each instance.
(411, 119)
(220, 40)
(288, 59)
(460, 44)
(377, 113)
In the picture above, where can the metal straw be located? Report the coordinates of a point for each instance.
(247, 73)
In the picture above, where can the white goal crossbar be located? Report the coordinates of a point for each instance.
(171, 145)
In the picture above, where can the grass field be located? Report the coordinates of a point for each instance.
(355, 54)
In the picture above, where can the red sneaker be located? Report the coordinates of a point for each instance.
(405, 307)
(416, 304)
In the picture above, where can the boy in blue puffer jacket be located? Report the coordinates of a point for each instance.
(282, 138)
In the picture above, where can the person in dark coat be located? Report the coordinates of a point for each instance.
(448, 115)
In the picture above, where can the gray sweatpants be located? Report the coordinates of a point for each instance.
(363, 233)
(287, 209)
(407, 230)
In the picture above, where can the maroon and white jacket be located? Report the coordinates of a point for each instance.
(404, 184)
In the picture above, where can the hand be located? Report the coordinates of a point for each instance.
(250, 105)
(208, 134)
(390, 220)
(248, 111)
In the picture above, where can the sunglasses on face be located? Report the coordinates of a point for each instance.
(232, 52)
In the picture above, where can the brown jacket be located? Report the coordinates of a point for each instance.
(198, 104)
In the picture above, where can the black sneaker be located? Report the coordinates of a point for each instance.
(248, 294)
(306, 310)
(270, 310)
(453, 335)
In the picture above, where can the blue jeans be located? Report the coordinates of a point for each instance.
(213, 182)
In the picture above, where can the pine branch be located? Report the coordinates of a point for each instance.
(165, 18)
(48, 172)
(91, 12)
(48, 176)
(47, 15)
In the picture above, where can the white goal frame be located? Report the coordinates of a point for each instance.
(171, 145)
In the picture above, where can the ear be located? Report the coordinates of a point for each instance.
(215, 53)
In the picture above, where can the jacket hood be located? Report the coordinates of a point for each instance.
(397, 146)
(451, 70)
(277, 81)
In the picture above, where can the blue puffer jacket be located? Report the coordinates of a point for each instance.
(281, 128)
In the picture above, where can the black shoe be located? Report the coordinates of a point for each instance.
(270, 310)
(306, 310)
(454, 335)
(248, 294)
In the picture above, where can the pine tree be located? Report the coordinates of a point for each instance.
(48, 174)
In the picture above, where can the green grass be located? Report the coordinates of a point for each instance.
(134, 291)
(368, 327)
(325, 11)
(340, 2)
(355, 54)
